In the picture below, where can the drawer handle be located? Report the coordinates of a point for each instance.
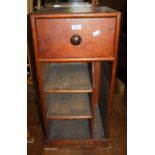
(75, 39)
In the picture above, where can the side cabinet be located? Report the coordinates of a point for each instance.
(75, 51)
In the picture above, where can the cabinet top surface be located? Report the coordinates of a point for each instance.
(74, 9)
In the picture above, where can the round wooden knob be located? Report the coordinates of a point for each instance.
(75, 39)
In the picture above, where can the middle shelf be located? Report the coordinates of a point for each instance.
(68, 106)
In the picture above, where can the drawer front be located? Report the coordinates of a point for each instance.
(54, 37)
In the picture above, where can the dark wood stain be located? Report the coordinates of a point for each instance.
(51, 46)
(50, 39)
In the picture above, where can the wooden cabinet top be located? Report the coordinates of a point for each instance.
(81, 10)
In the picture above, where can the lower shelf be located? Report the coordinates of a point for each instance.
(75, 129)
(69, 129)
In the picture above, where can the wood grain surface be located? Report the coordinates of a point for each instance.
(54, 39)
(66, 77)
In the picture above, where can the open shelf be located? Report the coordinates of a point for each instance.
(66, 77)
(69, 129)
(68, 106)
(75, 129)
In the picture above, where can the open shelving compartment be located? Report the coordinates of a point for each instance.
(66, 77)
(73, 129)
(71, 111)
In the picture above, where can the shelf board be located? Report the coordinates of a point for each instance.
(75, 129)
(62, 77)
(68, 106)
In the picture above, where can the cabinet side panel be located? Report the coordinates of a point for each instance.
(104, 86)
(38, 71)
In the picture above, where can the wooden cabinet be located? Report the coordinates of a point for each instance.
(75, 52)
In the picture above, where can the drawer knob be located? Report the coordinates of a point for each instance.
(75, 39)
